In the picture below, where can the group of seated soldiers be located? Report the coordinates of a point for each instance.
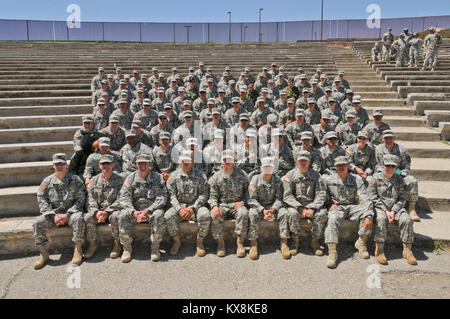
(276, 148)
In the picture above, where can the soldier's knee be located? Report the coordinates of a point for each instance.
(170, 214)
(158, 214)
(242, 212)
(40, 221)
(253, 214)
(203, 214)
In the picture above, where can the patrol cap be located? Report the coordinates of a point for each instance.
(306, 90)
(431, 29)
(143, 158)
(122, 82)
(225, 74)
(402, 35)
(328, 89)
(387, 133)
(306, 135)
(438, 31)
(323, 76)
(191, 141)
(161, 89)
(314, 81)
(101, 101)
(349, 91)
(243, 74)
(186, 102)
(136, 71)
(156, 81)
(164, 135)
(211, 101)
(231, 82)
(168, 106)
(362, 134)
(350, 113)
(88, 118)
(319, 70)
(104, 141)
(127, 76)
(187, 113)
(181, 89)
(113, 119)
(218, 133)
(303, 77)
(130, 133)
(273, 64)
(140, 90)
(186, 155)
(330, 135)
(267, 161)
(325, 115)
(106, 158)
(202, 90)
(300, 69)
(104, 93)
(331, 100)
(59, 158)
(391, 159)
(201, 63)
(173, 80)
(272, 119)
(118, 68)
(227, 155)
(303, 155)
(341, 72)
(377, 112)
(136, 123)
(235, 100)
(260, 99)
(291, 100)
(311, 100)
(243, 89)
(122, 101)
(101, 69)
(247, 69)
(265, 90)
(283, 92)
(161, 75)
(336, 79)
(209, 68)
(227, 68)
(250, 133)
(191, 69)
(299, 112)
(210, 80)
(174, 68)
(144, 76)
(244, 116)
(105, 82)
(215, 110)
(357, 99)
(162, 114)
(220, 90)
(277, 132)
(154, 68)
(122, 92)
(146, 102)
(340, 160)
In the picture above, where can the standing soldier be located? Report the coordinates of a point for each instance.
(189, 191)
(388, 39)
(305, 195)
(97, 79)
(402, 51)
(103, 204)
(228, 197)
(388, 194)
(348, 198)
(61, 198)
(142, 198)
(431, 47)
(414, 45)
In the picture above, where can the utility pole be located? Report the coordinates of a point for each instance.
(260, 34)
(187, 32)
(229, 28)
(321, 24)
(245, 28)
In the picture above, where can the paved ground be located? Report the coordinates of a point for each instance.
(188, 276)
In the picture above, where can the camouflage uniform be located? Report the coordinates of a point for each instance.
(293, 132)
(129, 154)
(414, 48)
(328, 158)
(189, 190)
(283, 158)
(147, 119)
(125, 119)
(101, 120)
(92, 168)
(347, 134)
(374, 132)
(162, 161)
(364, 159)
(401, 58)
(430, 49)
(117, 138)
(139, 194)
(388, 39)
(60, 196)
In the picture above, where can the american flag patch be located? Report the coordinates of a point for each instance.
(252, 188)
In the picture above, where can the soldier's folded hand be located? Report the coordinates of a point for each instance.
(334, 207)
(308, 213)
(238, 205)
(391, 216)
(367, 223)
(216, 211)
(267, 214)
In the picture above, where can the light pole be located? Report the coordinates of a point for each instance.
(260, 34)
(245, 28)
(229, 28)
(187, 32)
(321, 24)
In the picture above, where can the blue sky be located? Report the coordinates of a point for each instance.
(215, 11)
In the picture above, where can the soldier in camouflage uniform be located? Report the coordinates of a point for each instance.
(143, 135)
(189, 191)
(287, 116)
(162, 156)
(247, 154)
(101, 115)
(103, 205)
(115, 133)
(280, 152)
(147, 115)
(162, 126)
(388, 194)
(388, 39)
(259, 116)
(312, 113)
(124, 114)
(294, 129)
(361, 157)
(401, 46)
(213, 153)
(330, 152)
(390, 147)
(265, 201)
(158, 103)
(305, 196)
(322, 128)
(142, 198)
(246, 103)
(375, 130)
(232, 115)
(376, 53)
(348, 131)
(306, 139)
(347, 194)
(61, 198)
(96, 80)
(431, 45)
(414, 47)
(130, 152)
(228, 199)
(88, 127)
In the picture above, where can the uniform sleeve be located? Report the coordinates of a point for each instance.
(214, 192)
(253, 195)
(288, 191)
(93, 206)
(161, 194)
(45, 207)
(372, 163)
(402, 196)
(372, 195)
(89, 168)
(405, 162)
(320, 195)
(115, 206)
(93, 84)
(363, 201)
(126, 196)
(79, 193)
(203, 193)
(173, 193)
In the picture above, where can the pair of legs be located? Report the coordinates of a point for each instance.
(91, 233)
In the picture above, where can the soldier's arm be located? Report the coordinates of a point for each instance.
(278, 204)
(79, 193)
(173, 193)
(126, 196)
(363, 200)
(372, 195)
(402, 196)
(245, 183)
(89, 168)
(252, 195)
(405, 162)
(203, 194)
(372, 163)
(288, 191)
(43, 200)
(320, 195)
(161, 194)
(93, 206)
(214, 192)
(93, 85)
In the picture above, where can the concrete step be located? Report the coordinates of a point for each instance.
(412, 97)
(32, 101)
(426, 77)
(426, 149)
(433, 117)
(416, 134)
(368, 102)
(45, 110)
(360, 89)
(33, 87)
(431, 169)
(45, 93)
(377, 95)
(403, 121)
(414, 83)
(385, 74)
(403, 91)
(32, 152)
(421, 106)
(434, 196)
(11, 122)
(38, 134)
(391, 110)
(24, 174)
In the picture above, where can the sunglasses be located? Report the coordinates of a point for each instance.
(390, 166)
(244, 120)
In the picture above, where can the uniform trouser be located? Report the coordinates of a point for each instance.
(281, 217)
(402, 219)
(374, 58)
(412, 188)
(91, 221)
(413, 56)
(430, 58)
(401, 58)
(202, 217)
(386, 53)
(335, 218)
(42, 223)
(318, 221)
(127, 220)
(228, 212)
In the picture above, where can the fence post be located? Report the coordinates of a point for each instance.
(348, 28)
(140, 32)
(208, 32)
(103, 31)
(67, 30)
(28, 31)
(423, 23)
(174, 33)
(312, 30)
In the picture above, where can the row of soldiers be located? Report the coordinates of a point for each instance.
(406, 49)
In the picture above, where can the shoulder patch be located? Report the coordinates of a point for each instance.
(43, 187)
(349, 151)
(372, 180)
(286, 179)
(211, 182)
(126, 184)
(252, 188)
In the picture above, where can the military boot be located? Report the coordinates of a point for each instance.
(77, 254)
(127, 251)
(412, 212)
(285, 252)
(200, 247)
(423, 69)
(240, 252)
(294, 248)
(315, 246)
(410, 65)
(408, 254)
(43, 258)
(379, 253)
(253, 250)
(416, 66)
(93, 246)
(175, 245)
(361, 246)
(115, 252)
(154, 255)
(332, 255)
(433, 69)
(220, 247)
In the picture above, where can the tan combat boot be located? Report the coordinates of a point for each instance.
(433, 69)
(253, 249)
(315, 246)
(361, 246)
(127, 251)
(294, 248)
(410, 65)
(416, 66)
(77, 254)
(379, 253)
(115, 252)
(220, 247)
(412, 212)
(408, 255)
(200, 247)
(332, 255)
(240, 252)
(423, 69)
(154, 255)
(285, 252)
(43, 258)
(175, 245)
(93, 247)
